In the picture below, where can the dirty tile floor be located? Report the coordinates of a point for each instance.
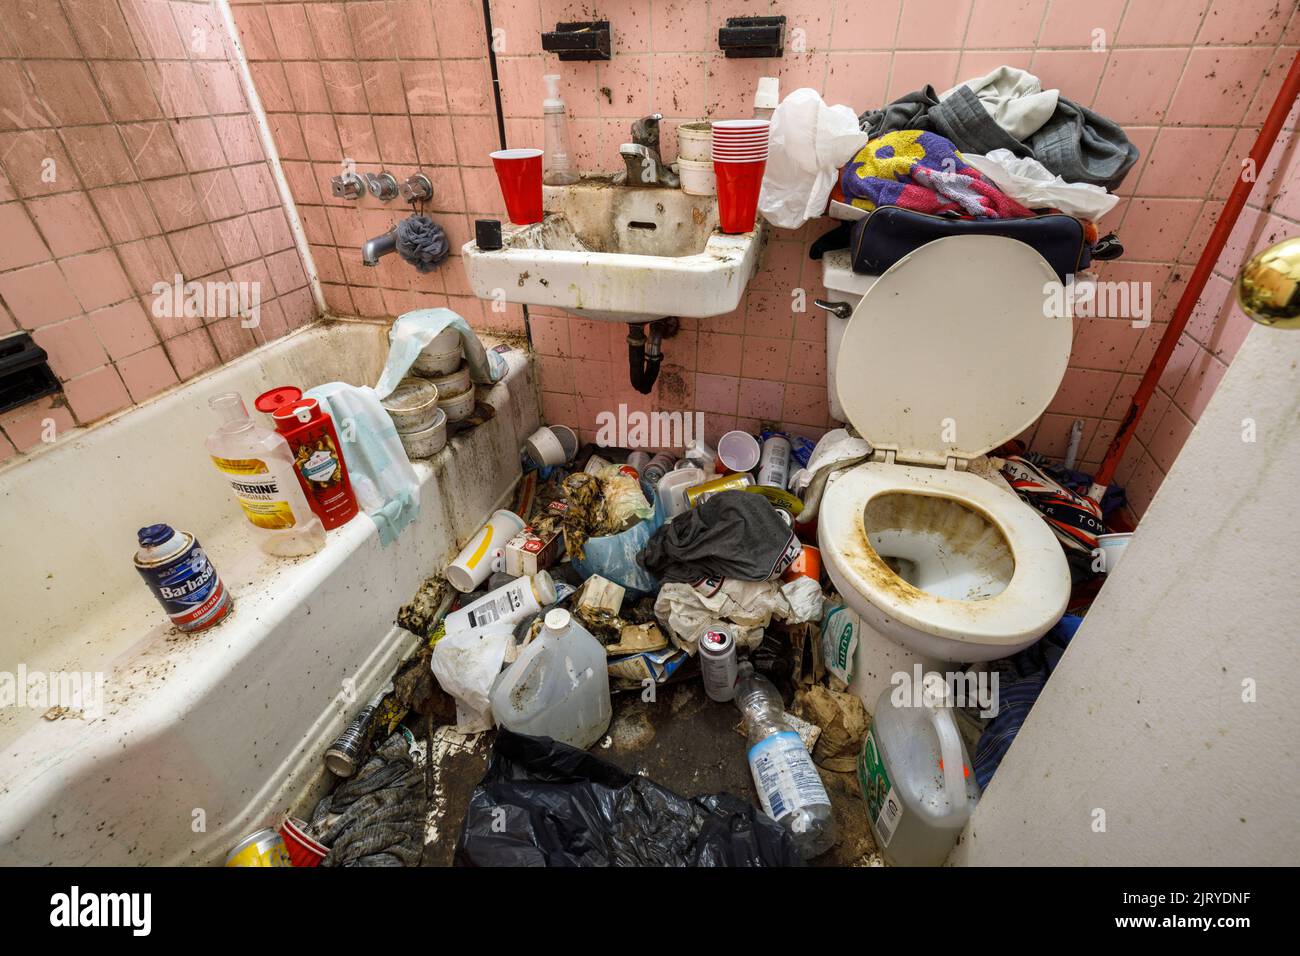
(683, 741)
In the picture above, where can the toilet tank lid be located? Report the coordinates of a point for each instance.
(954, 350)
(838, 275)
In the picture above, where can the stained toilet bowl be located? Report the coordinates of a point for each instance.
(946, 355)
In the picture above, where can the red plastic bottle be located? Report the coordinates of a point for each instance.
(318, 459)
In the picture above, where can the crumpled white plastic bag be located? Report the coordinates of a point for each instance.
(466, 664)
(837, 449)
(686, 612)
(808, 143)
(1029, 182)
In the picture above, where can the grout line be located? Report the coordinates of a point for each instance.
(272, 153)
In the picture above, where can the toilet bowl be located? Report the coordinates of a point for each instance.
(945, 356)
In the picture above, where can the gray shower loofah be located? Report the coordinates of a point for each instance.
(422, 242)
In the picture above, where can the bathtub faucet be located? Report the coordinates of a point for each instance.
(377, 247)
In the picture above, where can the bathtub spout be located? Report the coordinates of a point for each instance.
(377, 247)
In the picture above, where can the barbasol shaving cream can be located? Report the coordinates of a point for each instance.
(181, 577)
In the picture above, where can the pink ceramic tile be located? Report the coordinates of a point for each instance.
(763, 400)
(468, 86)
(67, 91)
(1084, 392)
(717, 393)
(858, 79)
(434, 143)
(769, 314)
(289, 27)
(72, 346)
(36, 163)
(1269, 86)
(96, 395)
(1104, 344)
(681, 85)
(1161, 22)
(36, 30)
(913, 70)
(38, 295)
(1198, 385)
(22, 245)
(977, 63)
(174, 201)
(99, 155)
(1075, 73)
(1169, 436)
(1076, 24)
(924, 27)
(1184, 162)
(177, 89)
(20, 107)
(1217, 85)
(396, 142)
(850, 30)
(96, 279)
(329, 30)
(220, 86)
(31, 426)
(805, 405)
(124, 329)
(765, 357)
(1004, 23)
(732, 83)
(679, 26)
(807, 363)
(1155, 229)
(1138, 84)
(357, 137)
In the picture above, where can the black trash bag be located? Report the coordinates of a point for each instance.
(544, 803)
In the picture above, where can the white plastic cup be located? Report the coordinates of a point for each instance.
(487, 548)
(738, 451)
(698, 178)
(545, 448)
(568, 438)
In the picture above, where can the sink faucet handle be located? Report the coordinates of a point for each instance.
(646, 131)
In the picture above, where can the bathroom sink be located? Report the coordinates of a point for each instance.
(619, 253)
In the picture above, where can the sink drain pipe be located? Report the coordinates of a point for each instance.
(644, 359)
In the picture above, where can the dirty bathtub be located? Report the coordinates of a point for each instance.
(199, 739)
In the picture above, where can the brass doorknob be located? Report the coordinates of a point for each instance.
(1268, 286)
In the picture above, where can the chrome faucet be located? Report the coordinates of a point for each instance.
(378, 247)
(641, 161)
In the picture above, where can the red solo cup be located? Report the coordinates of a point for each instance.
(739, 156)
(732, 127)
(519, 171)
(303, 850)
(738, 186)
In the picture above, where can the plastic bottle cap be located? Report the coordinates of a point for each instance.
(154, 534)
(552, 103)
(274, 398)
(544, 588)
(557, 620)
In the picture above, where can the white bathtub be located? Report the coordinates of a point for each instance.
(205, 737)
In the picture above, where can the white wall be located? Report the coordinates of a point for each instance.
(1144, 717)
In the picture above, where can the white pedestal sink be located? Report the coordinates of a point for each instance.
(619, 253)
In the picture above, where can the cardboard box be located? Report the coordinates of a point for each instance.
(527, 552)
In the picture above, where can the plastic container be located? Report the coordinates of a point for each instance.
(429, 441)
(672, 490)
(317, 454)
(260, 468)
(452, 383)
(484, 552)
(911, 769)
(412, 405)
(519, 171)
(695, 142)
(558, 687)
(457, 408)
(557, 163)
(789, 788)
(508, 604)
(698, 178)
(441, 356)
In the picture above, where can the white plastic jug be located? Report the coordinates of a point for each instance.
(911, 771)
(558, 687)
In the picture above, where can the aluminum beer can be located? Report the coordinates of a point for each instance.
(718, 662)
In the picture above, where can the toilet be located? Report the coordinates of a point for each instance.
(945, 356)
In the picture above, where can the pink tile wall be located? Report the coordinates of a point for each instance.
(402, 86)
(405, 85)
(1190, 79)
(127, 155)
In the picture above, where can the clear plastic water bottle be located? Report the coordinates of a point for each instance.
(789, 788)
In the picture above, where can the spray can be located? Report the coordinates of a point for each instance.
(774, 464)
(657, 467)
(181, 577)
(343, 754)
(718, 663)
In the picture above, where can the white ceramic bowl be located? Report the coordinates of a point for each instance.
(452, 383)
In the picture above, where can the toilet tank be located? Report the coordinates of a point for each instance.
(842, 285)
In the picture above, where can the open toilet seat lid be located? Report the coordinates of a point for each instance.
(954, 349)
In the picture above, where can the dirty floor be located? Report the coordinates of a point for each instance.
(683, 741)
